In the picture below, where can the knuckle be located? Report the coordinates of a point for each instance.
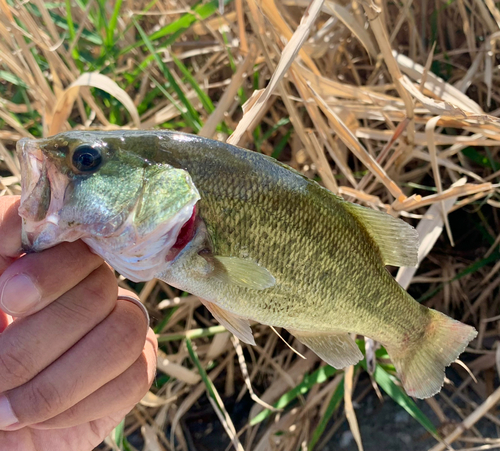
(130, 327)
(15, 365)
(44, 400)
(139, 379)
(96, 433)
(95, 296)
(101, 287)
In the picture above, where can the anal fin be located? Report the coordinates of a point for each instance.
(234, 324)
(338, 350)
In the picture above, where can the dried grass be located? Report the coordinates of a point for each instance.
(392, 105)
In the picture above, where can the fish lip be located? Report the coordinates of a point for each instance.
(36, 233)
(28, 149)
(31, 160)
(23, 143)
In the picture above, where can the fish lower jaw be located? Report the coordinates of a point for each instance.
(37, 237)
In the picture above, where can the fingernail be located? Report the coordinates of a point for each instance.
(7, 416)
(19, 294)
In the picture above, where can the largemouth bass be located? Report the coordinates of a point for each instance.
(254, 239)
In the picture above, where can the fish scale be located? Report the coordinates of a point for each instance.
(263, 243)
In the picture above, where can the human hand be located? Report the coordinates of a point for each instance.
(75, 360)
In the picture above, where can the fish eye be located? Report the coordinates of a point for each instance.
(86, 158)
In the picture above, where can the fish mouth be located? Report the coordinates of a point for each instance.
(42, 196)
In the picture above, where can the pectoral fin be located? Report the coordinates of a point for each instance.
(234, 324)
(243, 273)
(338, 350)
(396, 239)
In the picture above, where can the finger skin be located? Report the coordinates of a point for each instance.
(122, 392)
(102, 355)
(54, 271)
(55, 329)
(84, 437)
(10, 231)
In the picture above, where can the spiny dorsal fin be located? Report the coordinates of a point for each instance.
(397, 240)
(234, 324)
(338, 350)
(243, 273)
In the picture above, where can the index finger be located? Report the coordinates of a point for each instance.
(10, 231)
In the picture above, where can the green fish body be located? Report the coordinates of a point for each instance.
(254, 239)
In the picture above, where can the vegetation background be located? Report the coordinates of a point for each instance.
(392, 104)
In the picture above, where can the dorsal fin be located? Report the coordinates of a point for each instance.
(396, 240)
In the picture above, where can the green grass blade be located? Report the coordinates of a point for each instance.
(126, 445)
(69, 20)
(272, 130)
(261, 138)
(384, 380)
(161, 380)
(71, 29)
(319, 376)
(189, 114)
(174, 102)
(100, 22)
(334, 403)
(483, 160)
(92, 38)
(192, 334)
(159, 327)
(12, 78)
(281, 144)
(118, 435)
(218, 404)
(202, 95)
(201, 370)
(199, 12)
(112, 23)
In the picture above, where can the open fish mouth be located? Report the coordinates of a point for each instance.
(42, 196)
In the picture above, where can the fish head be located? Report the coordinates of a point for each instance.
(107, 189)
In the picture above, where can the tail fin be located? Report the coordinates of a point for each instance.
(421, 365)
